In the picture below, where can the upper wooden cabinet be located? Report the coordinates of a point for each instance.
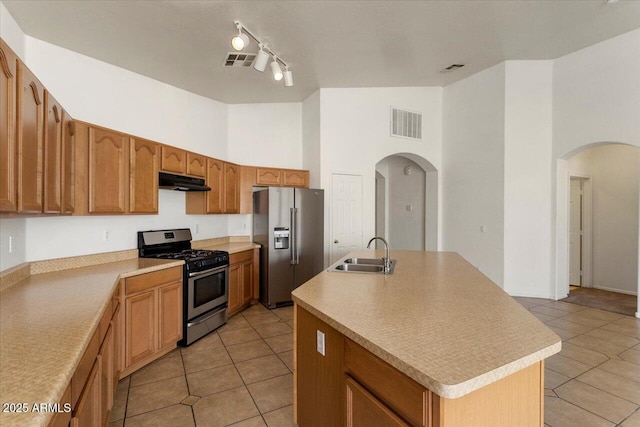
(143, 186)
(196, 165)
(68, 163)
(8, 89)
(295, 178)
(53, 155)
(231, 188)
(268, 176)
(30, 135)
(108, 171)
(174, 160)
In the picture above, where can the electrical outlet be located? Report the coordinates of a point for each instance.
(244, 226)
(106, 235)
(409, 208)
(483, 229)
(12, 244)
(320, 342)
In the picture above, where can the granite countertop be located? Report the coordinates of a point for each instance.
(437, 319)
(46, 323)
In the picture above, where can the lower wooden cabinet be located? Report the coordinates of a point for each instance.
(364, 410)
(87, 411)
(152, 318)
(243, 272)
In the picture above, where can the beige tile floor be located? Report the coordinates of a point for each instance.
(241, 375)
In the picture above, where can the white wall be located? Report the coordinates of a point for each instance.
(265, 134)
(473, 170)
(11, 32)
(311, 138)
(615, 178)
(354, 133)
(527, 178)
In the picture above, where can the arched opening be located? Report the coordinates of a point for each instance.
(597, 222)
(407, 202)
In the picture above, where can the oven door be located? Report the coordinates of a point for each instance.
(207, 290)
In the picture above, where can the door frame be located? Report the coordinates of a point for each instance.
(330, 211)
(587, 229)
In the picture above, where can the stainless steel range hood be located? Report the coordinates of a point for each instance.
(168, 181)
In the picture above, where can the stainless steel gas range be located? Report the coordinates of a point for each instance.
(205, 279)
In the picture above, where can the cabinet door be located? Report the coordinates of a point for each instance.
(68, 163)
(364, 410)
(247, 281)
(108, 171)
(231, 188)
(87, 412)
(215, 180)
(196, 165)
(8, 86)
(268, 176)
(296, 178)
(144, 162)
(118, 347)
(30, 137)
(140, 327)
(235, 288)
(107, 357)
(170, 314)
(174, 160)
(52, 155)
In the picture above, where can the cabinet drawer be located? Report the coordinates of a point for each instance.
(241, 256)
(152, 280)
(84, 367)
(405, 396)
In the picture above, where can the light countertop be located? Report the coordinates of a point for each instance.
(231, 247)
(437, 319)
(46, 323)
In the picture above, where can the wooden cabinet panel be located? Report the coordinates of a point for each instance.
(107, 357)
(242, 276)
(268, 176)
(247, 282)
(52, 155)
(152, 280)
(68, 163)
(83, 370)
(118, 339)
(87, 412)
(174, 160)
(215, 180)
(30, 137)
(196, 165)
(144, 161)
(8, 97)
(231, 188)
(235, 288)
(108, 171)
(295, 178)
(364, 410)
(140, 334)
(170, 314)
(247, 181)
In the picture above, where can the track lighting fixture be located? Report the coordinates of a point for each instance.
(242, 40)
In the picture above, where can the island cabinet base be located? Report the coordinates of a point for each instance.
(350, 386)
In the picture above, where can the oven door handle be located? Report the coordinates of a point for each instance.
(215, 313)
(207, 273)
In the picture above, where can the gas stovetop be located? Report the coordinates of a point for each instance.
(190, 254)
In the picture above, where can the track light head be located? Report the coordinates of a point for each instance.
(261, 60)
(288, 77)
(241, 40)
(276, 70)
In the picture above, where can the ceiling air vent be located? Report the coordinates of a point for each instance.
(406, 124)
(241, 60)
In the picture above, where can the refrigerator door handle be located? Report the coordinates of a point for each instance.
(292, 238)
(295, 217)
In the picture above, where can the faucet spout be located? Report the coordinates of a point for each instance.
(386, 260)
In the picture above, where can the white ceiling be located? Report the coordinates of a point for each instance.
(327, 43)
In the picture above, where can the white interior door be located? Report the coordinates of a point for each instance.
(346, 215)
(575, 232)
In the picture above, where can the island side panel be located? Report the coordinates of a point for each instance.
(319, 389)
(516, 400)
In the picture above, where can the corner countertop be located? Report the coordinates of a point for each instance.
(437, 319)
(231, 247)
(46, 323)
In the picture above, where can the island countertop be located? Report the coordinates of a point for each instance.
(46, 323)
(437, 319)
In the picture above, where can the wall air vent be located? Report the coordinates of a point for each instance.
(240, 60)
(406, 124)
(451, 68)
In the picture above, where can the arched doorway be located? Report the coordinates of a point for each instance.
(597, 219)
(407, 202)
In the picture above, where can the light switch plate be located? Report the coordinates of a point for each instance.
(320, 342)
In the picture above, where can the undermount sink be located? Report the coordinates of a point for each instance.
(363, 265)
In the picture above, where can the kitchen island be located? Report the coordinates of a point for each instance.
(435, 344)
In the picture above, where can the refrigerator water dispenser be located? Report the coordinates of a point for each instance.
(281, 238)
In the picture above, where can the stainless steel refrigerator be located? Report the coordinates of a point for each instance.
(289, 224)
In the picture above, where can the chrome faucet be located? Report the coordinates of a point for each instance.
(386, 260)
